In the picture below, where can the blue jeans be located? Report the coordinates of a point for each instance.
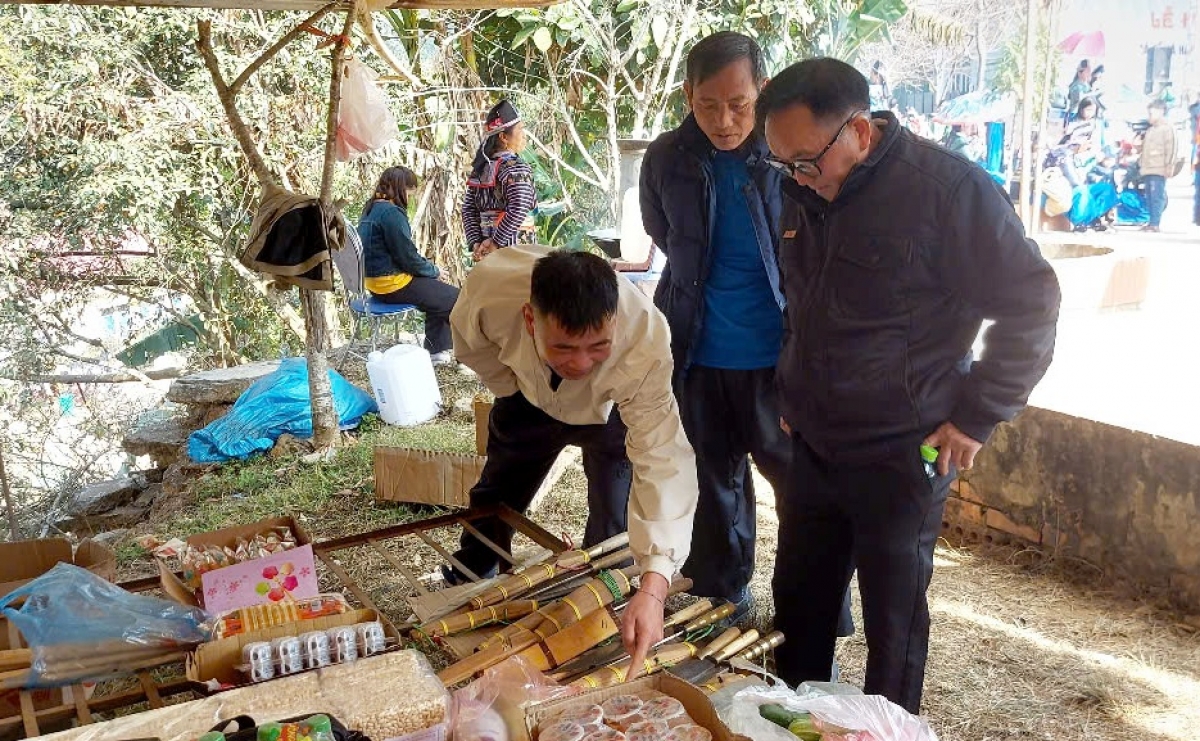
(1156, 197)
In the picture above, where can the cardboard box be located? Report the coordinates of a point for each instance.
(174, 588)
(693, 698)
(483, 411)
(425, 476)
(20, 563)
(25, 560)
(219, 659)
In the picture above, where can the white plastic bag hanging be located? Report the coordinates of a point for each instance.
(365, 122)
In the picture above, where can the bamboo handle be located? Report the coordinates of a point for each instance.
(479, 618)
(715, 616)
(691, 612)
(739, 644)
(612, 559)
(514, 585)
(665, 656)
(17, 658)
(604, 546)
(720, 642)
(480, 660)
(771, 641)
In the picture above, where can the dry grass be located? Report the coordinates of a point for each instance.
(1017, 650)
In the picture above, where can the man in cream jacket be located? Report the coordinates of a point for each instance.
(578, 356)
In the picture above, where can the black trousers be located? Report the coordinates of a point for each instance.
(436, 299)
(523, 442)
(884, 519)
(729, 415)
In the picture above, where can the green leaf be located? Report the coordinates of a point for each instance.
(626, 5)
(542, 39)
(522, 36)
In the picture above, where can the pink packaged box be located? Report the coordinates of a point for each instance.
(276, 579)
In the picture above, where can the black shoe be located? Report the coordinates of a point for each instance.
(453, 577)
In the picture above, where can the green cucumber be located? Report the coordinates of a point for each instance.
(779, 715)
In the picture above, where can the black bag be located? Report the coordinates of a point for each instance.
(247, 730)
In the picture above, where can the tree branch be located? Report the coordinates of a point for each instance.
(275, 48)
(558, 160)
(569, 120)
(229, 103)
(70, 378)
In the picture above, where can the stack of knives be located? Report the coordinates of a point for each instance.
(562, 615)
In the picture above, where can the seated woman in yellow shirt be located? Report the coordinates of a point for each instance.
(395, 272)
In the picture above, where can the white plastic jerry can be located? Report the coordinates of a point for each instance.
(404, 385)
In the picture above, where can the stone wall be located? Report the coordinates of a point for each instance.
(1125, 501)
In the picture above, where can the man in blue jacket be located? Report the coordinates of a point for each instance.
(712, 204)
(893, 253)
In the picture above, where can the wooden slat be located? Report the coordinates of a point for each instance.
(82, 711)
(395, 562)
(346, 579)
(104, 704)
(29, 715)
(531, 530)
(488, 542)
(151, 691)
(447, 555)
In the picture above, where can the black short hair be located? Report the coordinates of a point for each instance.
(717, 51)
(577, 288)
(828, 87)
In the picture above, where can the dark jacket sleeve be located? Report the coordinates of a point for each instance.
(1003, 276)
(398, 237)
(654, 218)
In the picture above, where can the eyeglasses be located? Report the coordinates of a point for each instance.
(809, 166)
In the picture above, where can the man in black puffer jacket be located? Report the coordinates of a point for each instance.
(893, 253)
(712, 204)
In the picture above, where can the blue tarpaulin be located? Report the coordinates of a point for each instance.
(273, 405)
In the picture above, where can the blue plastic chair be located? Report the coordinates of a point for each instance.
(365, 308)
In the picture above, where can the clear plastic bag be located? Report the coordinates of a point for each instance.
(841, 717)
(80, 626)
(365, 122)
(492, 708)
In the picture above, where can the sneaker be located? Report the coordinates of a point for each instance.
(744, 611)
(445, 357)
(453, 577)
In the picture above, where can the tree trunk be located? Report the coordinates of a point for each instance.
(13, 529)
(324, 416)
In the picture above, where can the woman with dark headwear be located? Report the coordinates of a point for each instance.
(394, 271)
(497, 207)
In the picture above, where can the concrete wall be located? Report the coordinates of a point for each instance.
(1125, 501)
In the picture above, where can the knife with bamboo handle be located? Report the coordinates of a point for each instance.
(699, 671)
(610, 654)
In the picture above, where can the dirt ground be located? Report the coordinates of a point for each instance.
(1015, 653)
(1017, 650)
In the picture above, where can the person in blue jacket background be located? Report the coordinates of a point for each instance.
(395, 272)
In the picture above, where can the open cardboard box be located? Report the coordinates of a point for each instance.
(693, 698)
(174, 587)
(426, 476)
(24, 561)
(219, 659)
